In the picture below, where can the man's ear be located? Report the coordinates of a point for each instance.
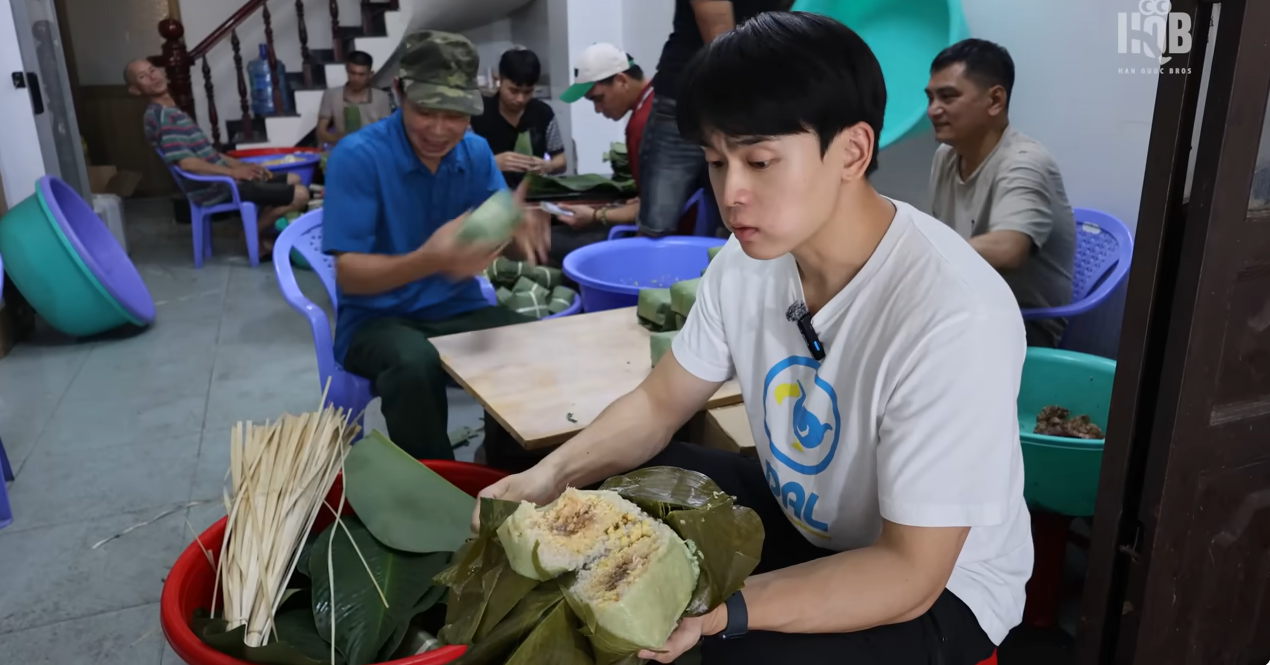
(855, 144)
(999, 100)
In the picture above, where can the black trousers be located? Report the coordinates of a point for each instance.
(948, 634)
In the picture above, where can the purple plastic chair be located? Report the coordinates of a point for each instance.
(1104, 249)
(6, 472)
(304, 235)
(201, 216)
(705, 224)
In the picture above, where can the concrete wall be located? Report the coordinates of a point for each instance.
(109, 35)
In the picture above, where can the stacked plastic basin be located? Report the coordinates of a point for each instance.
(610, 274)
(68, 266)
(1061, 474)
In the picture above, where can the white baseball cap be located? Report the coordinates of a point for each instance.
(597, 62)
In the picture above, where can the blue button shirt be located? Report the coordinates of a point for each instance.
(380, 199)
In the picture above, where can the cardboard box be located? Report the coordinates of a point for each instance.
(110, 180)
(728, 428)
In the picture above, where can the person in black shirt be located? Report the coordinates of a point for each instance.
(521, 130)
(671, 168)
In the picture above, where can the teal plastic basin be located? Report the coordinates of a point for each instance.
(1061, 474)
(905, 36)
(49, 272)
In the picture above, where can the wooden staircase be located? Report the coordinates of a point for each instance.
(305, 84)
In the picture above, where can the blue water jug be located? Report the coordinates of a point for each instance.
(262, 84)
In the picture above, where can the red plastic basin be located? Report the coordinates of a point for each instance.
(262, 152)
(190, 583)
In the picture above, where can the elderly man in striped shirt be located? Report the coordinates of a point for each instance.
(181, 142)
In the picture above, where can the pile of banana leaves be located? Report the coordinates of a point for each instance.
(370, 574)
(620, 160)
(508, 618)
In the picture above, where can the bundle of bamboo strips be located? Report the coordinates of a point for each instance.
(279, 475)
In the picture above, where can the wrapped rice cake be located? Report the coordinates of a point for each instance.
(659, 344)
(493, 222)
(683, 295)
(634, 575)
(653, 307)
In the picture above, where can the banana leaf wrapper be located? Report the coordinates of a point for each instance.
(483, 586)
(501, 294)
(653, 306)
(683, 295)
(493, 221)
(728, 537)
(518, 628)
(561, 299)
(529, 298)
(659, 343)
(618, 157)
(591, 183)
(504, 271)
(713, 252)
(524, 144)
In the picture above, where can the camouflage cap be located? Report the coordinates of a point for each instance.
(438, 71)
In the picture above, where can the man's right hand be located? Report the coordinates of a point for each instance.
(538, 485)
(514, 162)
(454, 258)
(245, 173)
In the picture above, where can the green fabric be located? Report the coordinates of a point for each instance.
(659, 344)
(683, 295)
(653, 307)
(405, 370)
(561, 299)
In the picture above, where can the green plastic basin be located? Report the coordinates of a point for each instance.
(1061, 474)
(905, 36)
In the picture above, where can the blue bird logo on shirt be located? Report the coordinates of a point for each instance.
(809, 432)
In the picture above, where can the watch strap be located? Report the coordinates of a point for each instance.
(738, 617)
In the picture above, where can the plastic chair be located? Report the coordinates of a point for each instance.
(706, 221)
(304, 235)
(1104, 249)
(6, 472)
(201, 216)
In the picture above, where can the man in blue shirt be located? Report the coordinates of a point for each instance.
(397, 193)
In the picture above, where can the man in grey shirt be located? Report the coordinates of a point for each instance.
(353, 105)
(998, 188)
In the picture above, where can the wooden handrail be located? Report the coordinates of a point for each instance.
(225, 28)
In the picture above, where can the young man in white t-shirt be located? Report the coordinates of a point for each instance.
(890, 477)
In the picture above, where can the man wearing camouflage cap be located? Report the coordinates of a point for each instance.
(396, 193)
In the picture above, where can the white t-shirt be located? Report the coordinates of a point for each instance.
(910, 417)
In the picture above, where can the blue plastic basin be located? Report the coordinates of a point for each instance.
(305, 168)
(611, 273)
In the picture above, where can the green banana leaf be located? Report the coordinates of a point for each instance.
(549, 185)
(683, 295)
(363, 625)
(606, 648)
(406, 505)
(483, 586)
(493, 221)
(618, 157)
(295, 645)
(511, 631)
(712, 252)
(555, 640)
(728, 537)
(524, 144)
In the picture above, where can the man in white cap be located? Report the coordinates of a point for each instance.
(609, 78)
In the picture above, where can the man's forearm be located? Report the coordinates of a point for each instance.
(622, 437)
(1003, 250)
(556, 164)
(842, 593)
(203, 167)
(372, 274)
(626, 214)
(714, 17)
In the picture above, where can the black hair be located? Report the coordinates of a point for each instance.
(361, 59)
(520, 66)
(783, 73)
(634, 72)
(987, 64)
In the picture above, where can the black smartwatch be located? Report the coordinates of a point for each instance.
(738, 617)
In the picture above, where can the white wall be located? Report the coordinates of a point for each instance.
(107, 35)
(21, 162)
(645, 27)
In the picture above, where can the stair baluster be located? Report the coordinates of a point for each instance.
(177, 63)
(212, 117)
(367, 17)
(337, 43)
(273, 59)
(305, 56)
(247, 130)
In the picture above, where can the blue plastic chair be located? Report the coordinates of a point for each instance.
(201, 216)
(1104, 249)
(304, 235)
(6, 471)
(705, 224)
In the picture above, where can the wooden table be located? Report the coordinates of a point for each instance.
(545, 381)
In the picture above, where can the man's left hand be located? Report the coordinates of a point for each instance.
(533, 236)
(688, 634)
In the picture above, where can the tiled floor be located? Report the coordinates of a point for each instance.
(107, 433)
